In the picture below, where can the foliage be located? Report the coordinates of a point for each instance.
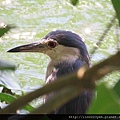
(5, 28)
(106, 99)
(117, 88)
(10, 86)
(74, 2)
(116, 5)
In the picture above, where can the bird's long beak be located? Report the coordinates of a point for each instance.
(33, 47)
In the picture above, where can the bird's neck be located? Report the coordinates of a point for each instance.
(63, 65)
(65, 59)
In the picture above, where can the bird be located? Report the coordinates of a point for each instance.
(68, 53)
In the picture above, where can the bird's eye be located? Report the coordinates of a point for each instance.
(52, 44)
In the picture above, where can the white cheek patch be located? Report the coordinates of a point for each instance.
(59, 54)
(63, 53)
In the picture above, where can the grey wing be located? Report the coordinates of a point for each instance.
(79, 104)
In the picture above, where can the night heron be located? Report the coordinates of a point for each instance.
(68, 53)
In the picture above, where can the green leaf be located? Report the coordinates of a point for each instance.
(6, 97)
(116, 5)
(5, 28)
(74, 2)
(117, 88)
(6, 65)
(29, 108)
(9, 98)
(106, 102)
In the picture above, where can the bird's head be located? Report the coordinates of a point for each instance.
(59, 45)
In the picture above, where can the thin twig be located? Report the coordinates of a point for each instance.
(104, 34)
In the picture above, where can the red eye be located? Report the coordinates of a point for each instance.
(52, 44)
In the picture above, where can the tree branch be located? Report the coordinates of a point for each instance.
(86, 80)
